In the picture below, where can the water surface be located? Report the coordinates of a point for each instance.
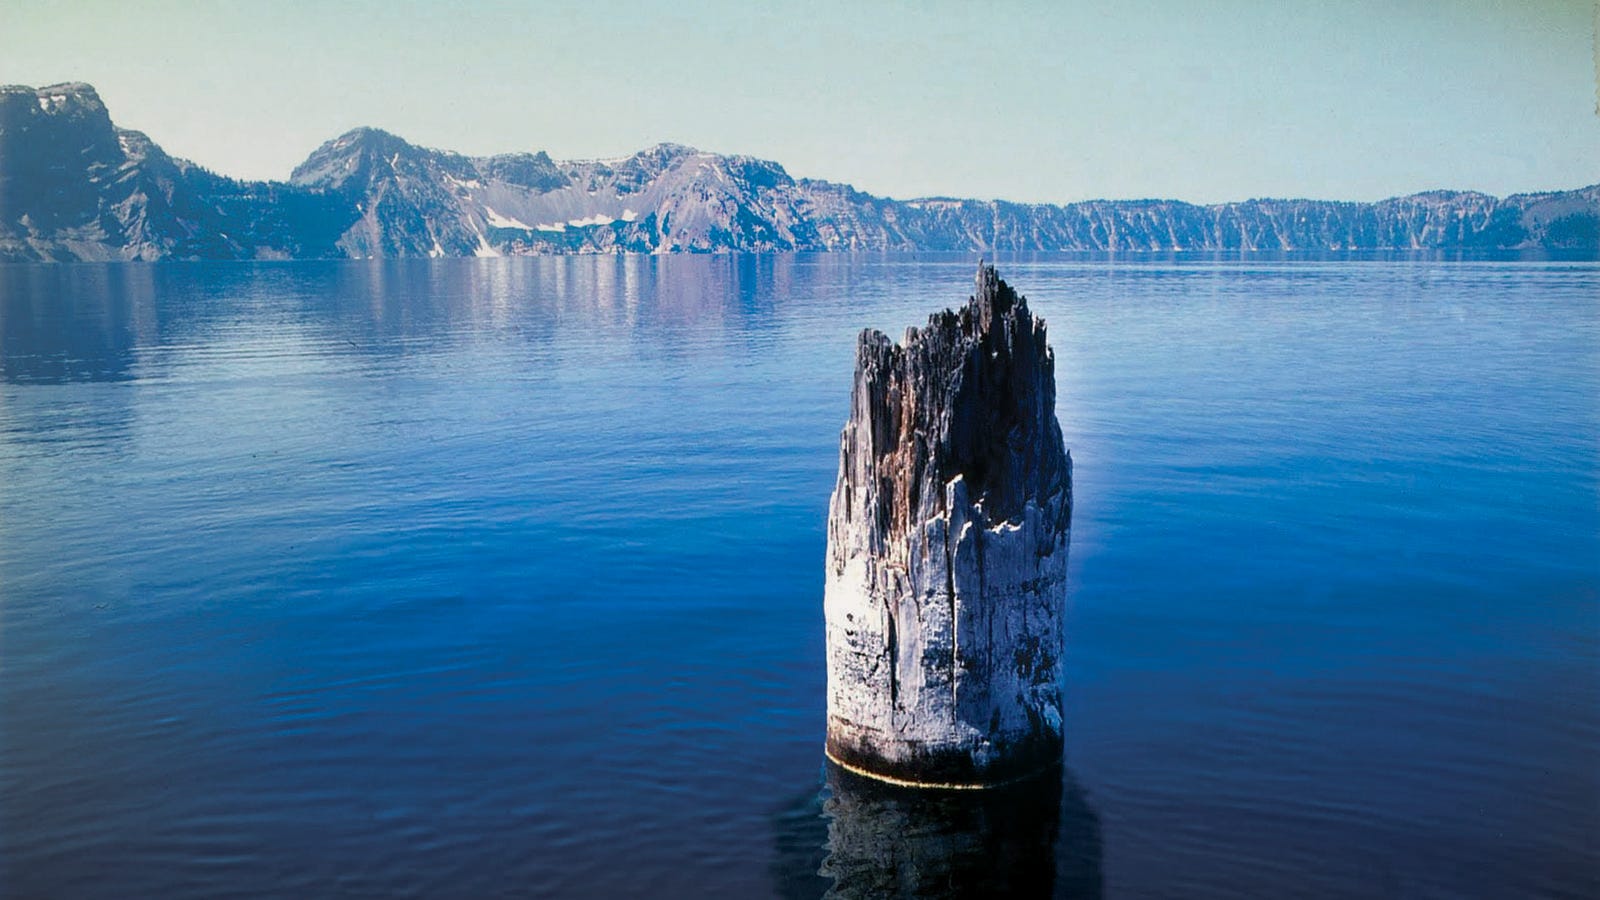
(502, 577)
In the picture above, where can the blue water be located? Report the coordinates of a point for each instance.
(503, 577)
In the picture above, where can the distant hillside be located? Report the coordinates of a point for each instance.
(75, 187)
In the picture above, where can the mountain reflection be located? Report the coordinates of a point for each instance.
(863, 838)
(61, 324)
(127, 322)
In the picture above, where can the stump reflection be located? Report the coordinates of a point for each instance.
(860, 837)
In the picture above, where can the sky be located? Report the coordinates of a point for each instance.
(1040, 102)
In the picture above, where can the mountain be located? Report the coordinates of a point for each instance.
(73, 186)
(418, 202)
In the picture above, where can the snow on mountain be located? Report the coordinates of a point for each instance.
(664, 199)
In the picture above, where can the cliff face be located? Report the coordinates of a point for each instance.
(73, 186)
(947, 551)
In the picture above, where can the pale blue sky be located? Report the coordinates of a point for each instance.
(1043, 102)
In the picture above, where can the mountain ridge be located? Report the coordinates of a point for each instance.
(74, 186)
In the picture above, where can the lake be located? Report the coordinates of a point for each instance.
(470, 578)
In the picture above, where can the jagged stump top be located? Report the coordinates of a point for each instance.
(971, 394)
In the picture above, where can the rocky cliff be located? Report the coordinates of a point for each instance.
(74, 186)
(947, 551)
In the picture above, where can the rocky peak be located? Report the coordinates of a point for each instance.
(635, 173)
(136, 145)
(355, 159)
(666, 152)
(72, 99)
(56, 142)
(56, 110)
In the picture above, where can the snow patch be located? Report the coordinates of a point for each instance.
(394, 159)
(464, 185)
(596, 219)
(498, 221)
(551, 226)
(629, 215)
(437, 252)
(483, 250)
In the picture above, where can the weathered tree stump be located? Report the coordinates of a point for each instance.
(947, 552)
